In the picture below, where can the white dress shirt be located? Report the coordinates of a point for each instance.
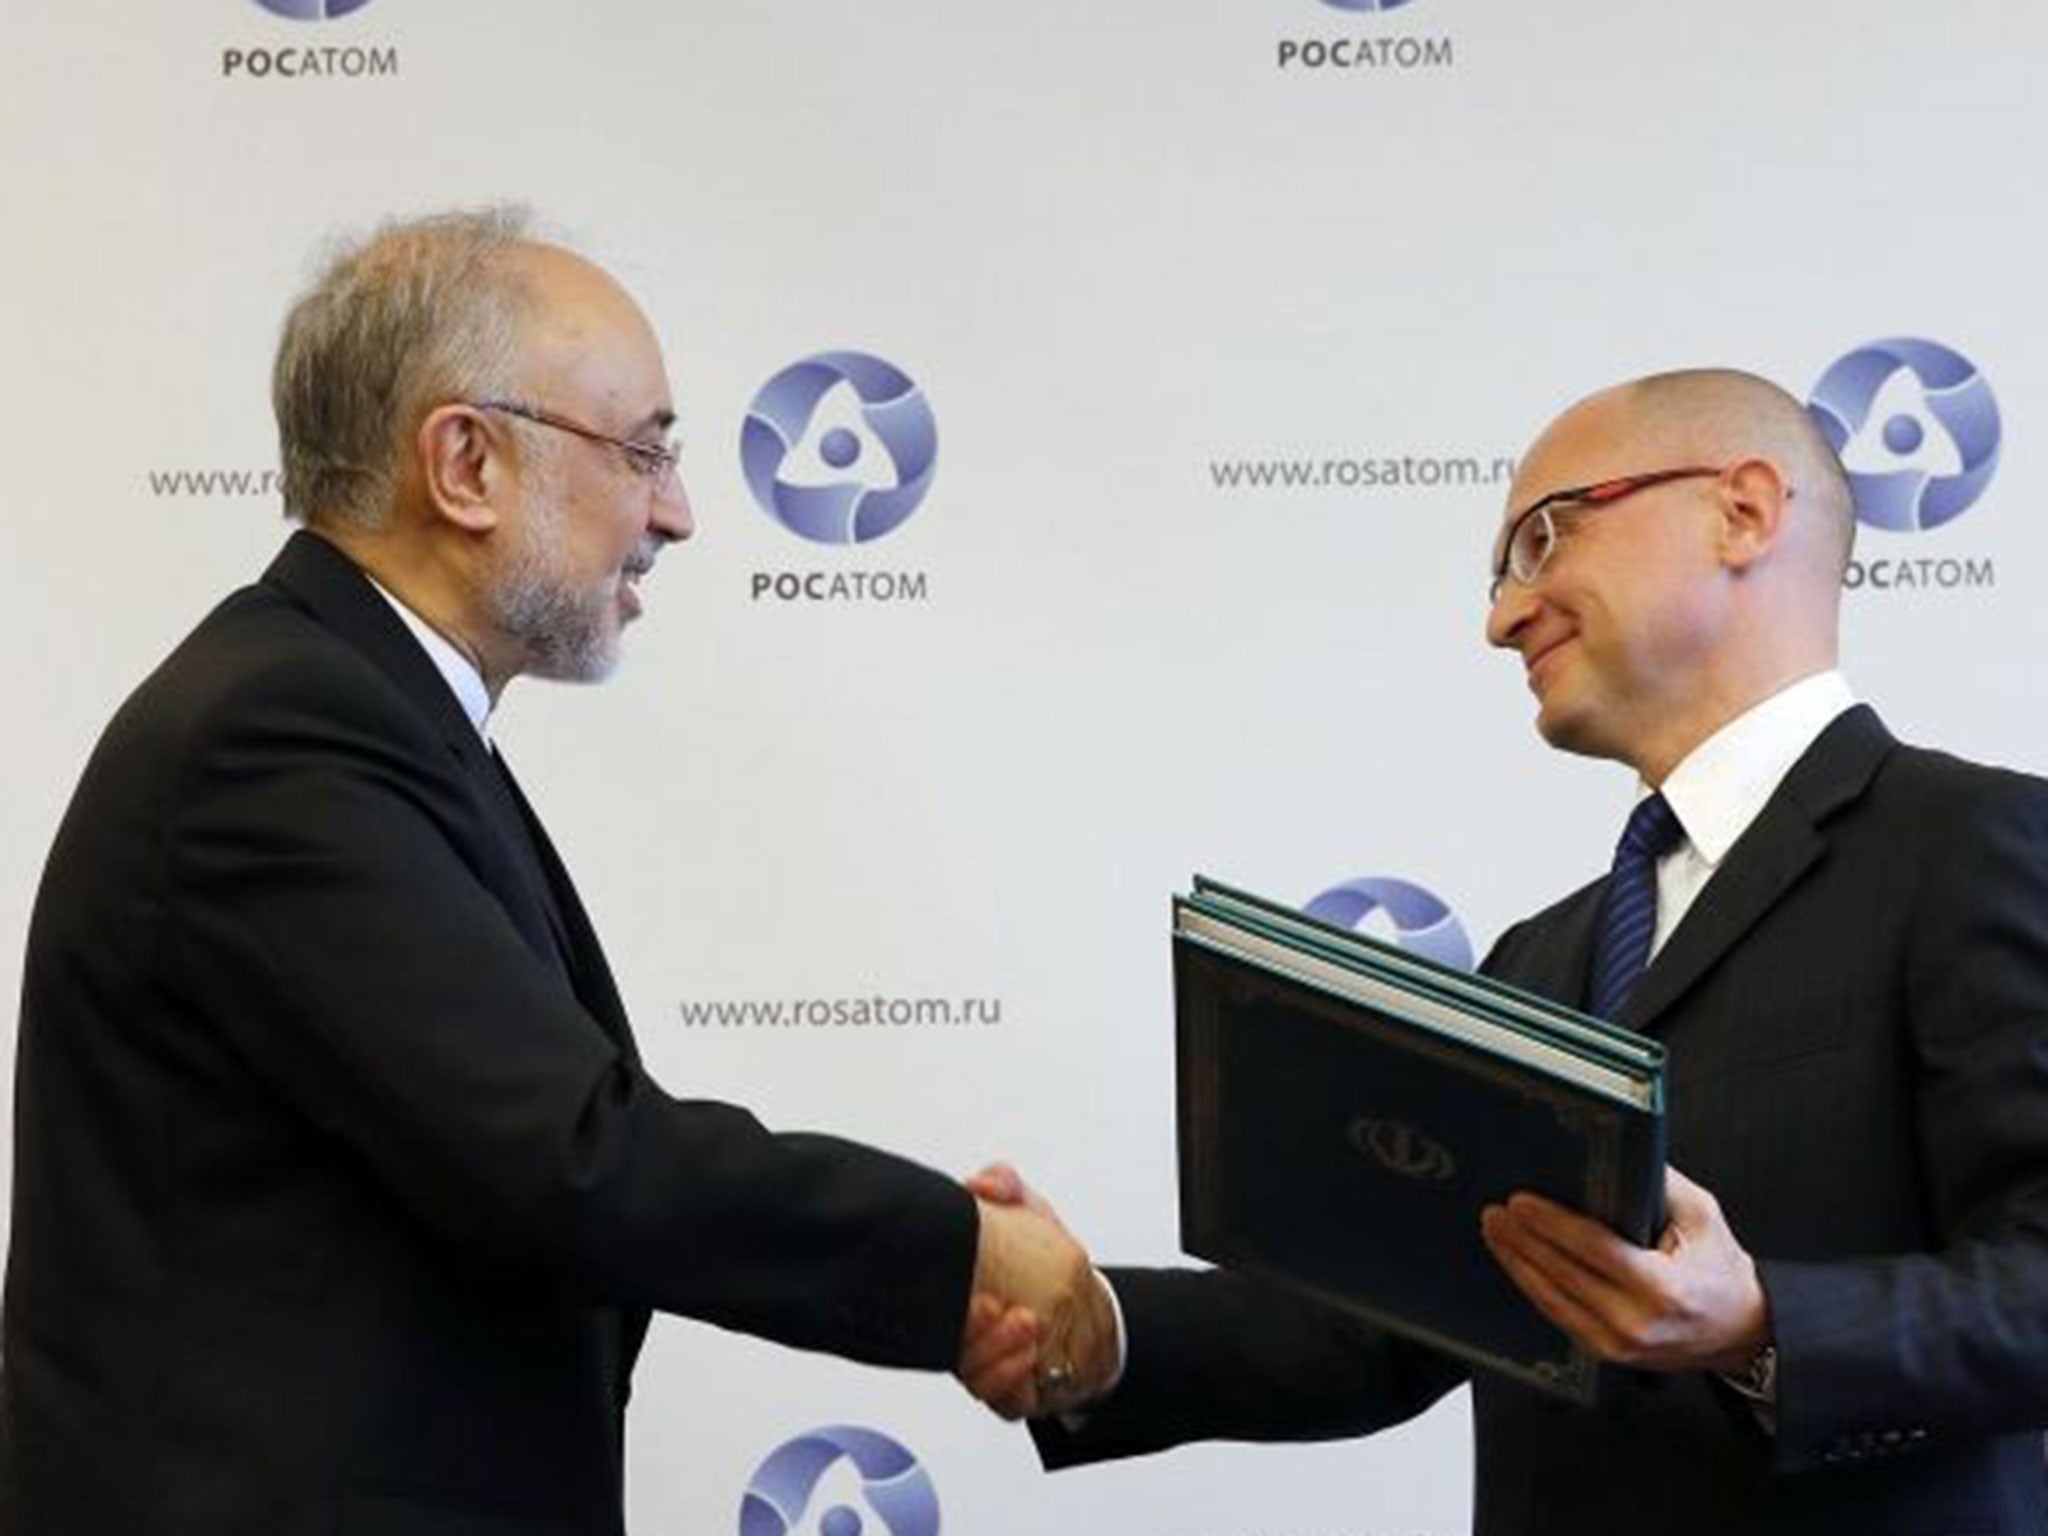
(1724, 782)
(460, 673)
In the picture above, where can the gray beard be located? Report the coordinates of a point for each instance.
(563, 634)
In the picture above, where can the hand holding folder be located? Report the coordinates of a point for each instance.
(1348, 1109)
(1692, 1302)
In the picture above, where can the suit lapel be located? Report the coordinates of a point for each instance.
(514, 830)
(589, 972)
(1554, 961)
(318, 576)
(1767, 861)
(321, 578)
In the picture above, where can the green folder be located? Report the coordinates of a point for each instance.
(1347, 1109)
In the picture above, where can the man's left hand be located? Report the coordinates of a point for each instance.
(1692, 1303)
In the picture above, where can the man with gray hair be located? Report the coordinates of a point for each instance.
(342, 1197)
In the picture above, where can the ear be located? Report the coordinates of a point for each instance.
(1755, 503)
(461, 466)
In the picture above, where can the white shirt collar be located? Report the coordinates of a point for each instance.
(461, 675)
(1724, 782)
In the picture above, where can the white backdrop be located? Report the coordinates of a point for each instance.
(1129, 256)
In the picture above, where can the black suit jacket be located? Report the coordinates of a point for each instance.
(1856, 1011)
(340, 1195)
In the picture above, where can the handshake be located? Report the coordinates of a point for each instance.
(1042, 1332)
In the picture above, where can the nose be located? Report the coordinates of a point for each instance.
(668, 516)
(1513, 606)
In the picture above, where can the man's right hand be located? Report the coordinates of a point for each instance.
(1041, 1333)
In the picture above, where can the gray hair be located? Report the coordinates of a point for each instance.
(423, 310)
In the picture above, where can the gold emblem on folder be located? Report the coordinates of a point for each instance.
(1401, 1149)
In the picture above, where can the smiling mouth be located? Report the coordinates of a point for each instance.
(1531, 665)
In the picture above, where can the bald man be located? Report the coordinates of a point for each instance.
(1844, 1327)
(341, 1195)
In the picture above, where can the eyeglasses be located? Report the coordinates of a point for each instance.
(655, 461)
(1532, 537)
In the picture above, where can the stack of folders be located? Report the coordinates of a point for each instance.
(1348, 1108)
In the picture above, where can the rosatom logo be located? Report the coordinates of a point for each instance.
(1916, 427)
(1420, 921)
(893, 1486)
(312, 10)
(839, 448)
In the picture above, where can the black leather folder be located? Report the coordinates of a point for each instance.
(1347, 1109)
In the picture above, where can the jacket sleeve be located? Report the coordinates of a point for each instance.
(1217, 1356)
(323, 915)
(1886, 1354)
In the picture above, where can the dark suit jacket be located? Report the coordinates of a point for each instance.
(1856, 1011)
(340, 1195)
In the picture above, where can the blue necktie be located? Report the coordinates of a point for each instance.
(1629, 917)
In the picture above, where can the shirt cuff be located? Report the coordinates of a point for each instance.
(1075, 1422)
